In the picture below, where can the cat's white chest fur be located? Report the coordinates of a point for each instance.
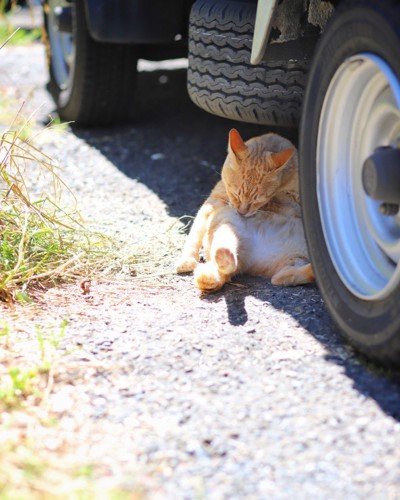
(266, 239)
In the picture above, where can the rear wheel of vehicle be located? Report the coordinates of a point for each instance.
(92, 83)
(221, 79)
(351, 108)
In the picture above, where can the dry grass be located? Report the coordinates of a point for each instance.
(41, 243)
(44, 244)
(153, 261)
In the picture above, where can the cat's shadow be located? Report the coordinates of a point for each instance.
(305, 305)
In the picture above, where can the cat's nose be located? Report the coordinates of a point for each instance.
(243, 209)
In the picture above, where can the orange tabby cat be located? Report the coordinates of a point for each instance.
(251, 222)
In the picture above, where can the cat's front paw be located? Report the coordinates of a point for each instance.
(185, 265)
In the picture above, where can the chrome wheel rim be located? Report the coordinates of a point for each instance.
(62, 46)
(360, 112)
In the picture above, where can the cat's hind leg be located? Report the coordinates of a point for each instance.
(208, 278)
(292, 276)
(224, 249)
(226, 260)
(223, 261)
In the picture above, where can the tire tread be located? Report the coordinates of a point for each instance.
(102, 89)
(222, 80)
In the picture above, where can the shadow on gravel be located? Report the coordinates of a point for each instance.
(306, 306)
(177, 151)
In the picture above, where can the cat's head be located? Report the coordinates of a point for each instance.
(253, 175)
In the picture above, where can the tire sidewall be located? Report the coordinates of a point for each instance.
(355, 30)
(100, 87)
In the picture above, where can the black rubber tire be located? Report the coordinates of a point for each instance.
(357, 27)
(102, 89)
(221, 79)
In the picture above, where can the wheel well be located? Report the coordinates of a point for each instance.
(293, 20)
(138, 22)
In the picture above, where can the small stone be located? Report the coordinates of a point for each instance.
(157, 156)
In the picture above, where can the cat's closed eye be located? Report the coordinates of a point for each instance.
(234, 199)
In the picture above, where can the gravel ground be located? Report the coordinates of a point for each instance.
(249, 393)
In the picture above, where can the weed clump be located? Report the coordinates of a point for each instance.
(41, 243)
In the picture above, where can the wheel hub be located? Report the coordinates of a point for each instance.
(381, 175)
(358, 181)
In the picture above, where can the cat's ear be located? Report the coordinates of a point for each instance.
(236, 143)
(280, 158)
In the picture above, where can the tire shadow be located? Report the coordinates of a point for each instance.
(174, 148)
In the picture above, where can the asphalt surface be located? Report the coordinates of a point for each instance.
(249, 393)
